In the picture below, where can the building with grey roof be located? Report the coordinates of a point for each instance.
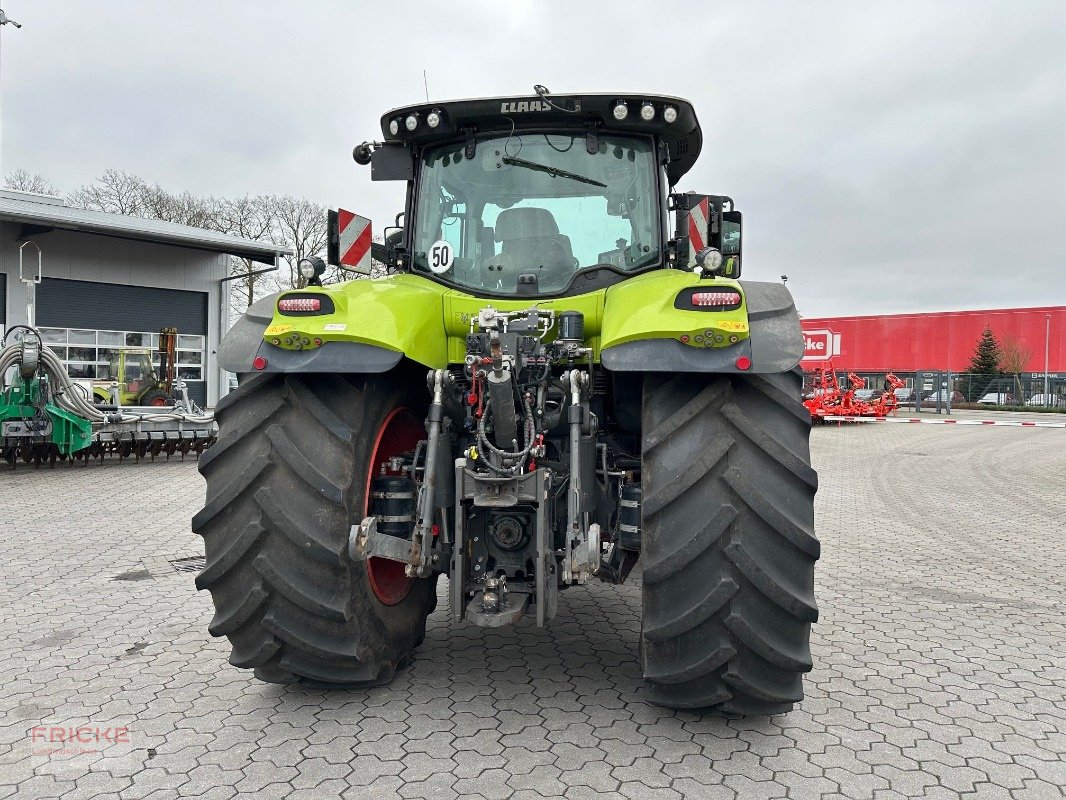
(110, 281)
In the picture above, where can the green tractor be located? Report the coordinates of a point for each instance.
(138, 384)
(551, 382)
(134, 373)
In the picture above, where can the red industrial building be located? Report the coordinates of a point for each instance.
(938, 341)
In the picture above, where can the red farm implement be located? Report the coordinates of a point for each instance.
(829, 399)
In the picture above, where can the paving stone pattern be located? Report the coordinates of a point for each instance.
(939, 656)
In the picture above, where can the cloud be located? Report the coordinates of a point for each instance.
(887, 157)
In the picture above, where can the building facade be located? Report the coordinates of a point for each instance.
(934, 342)
(109, 282)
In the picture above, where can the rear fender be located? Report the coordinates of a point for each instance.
(374, 324)
(643, 331)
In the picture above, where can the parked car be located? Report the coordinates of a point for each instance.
(997, 399)
(942, 396)
(866, 394)
(1047, 401)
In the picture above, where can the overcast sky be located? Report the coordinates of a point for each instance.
(887, 157)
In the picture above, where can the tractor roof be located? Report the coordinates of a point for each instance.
(573, 111)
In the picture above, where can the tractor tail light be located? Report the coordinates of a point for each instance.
(259, 362)
(306, 304)
(709, 298)
(743, 363)
(299, 304)
(715, 299)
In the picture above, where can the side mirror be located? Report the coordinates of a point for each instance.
(392, 161)
(729, 242)
(705, 223)
(386, 253)
(389, 161)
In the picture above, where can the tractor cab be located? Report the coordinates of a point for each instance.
(131, 367)
(553, 196)
(133, 370)
(135, 375)
(533, 211)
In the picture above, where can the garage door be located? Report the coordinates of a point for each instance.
(88, 321)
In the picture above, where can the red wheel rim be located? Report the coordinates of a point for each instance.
(158, 401)
(398, 434)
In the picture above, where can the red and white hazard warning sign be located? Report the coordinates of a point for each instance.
(354, 237)
(698, 228)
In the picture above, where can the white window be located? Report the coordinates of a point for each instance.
(88, 353)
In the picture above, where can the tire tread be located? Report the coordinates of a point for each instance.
(282, 492)
(729, 545)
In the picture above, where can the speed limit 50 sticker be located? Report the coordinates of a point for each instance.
(441, 256)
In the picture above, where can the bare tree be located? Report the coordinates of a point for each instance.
(24, 181)
(249, 218)
(1014, 356)
(185, 208)
(301, 225)
(293, 222)
(115, 192)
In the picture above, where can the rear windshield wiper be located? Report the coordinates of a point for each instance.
(555, 172)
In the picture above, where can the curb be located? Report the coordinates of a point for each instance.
(1010, 423)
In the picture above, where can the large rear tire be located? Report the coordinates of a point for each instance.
(728, 542)
(286, 479)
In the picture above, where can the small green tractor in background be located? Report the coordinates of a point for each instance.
(134, 373)
(552, 382)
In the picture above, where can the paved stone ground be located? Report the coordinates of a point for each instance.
(939, 656)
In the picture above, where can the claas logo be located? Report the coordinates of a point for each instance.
(820, 345)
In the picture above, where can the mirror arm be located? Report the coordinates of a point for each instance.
(379, 253)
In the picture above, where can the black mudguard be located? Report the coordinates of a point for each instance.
(244, 343)
(774, 344)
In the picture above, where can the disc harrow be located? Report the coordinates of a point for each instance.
(14, 452)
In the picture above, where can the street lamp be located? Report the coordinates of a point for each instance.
(1047, 347)
(6, 20)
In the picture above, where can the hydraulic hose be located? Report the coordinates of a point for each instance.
(67, 396)
(503, 455)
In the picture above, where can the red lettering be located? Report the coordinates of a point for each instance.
(84, 734)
